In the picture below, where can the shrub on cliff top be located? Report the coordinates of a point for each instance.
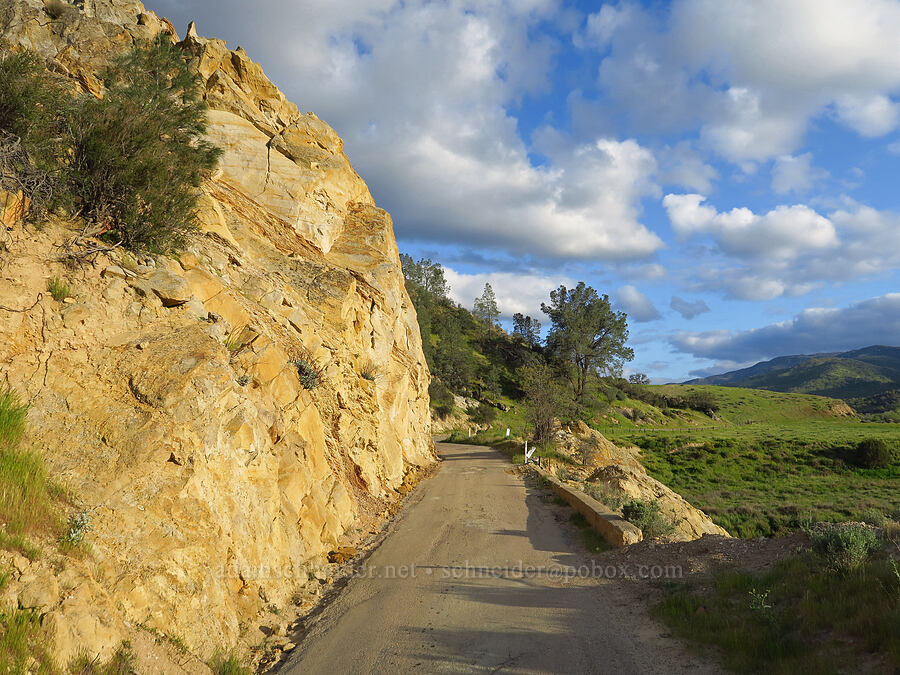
(140, 152)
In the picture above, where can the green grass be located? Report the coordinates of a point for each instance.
(798, 617)
(120, 663)
(227, 664)
(26, 492)
(12, 417)
(769, 463)
(22, 641)
(593, 541)
(766, 478)
(59, 289)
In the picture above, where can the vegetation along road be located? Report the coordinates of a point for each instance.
(430, 597)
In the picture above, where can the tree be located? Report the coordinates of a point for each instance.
(140, 152)
(587, 333)
(426, 275)
(545, 398)
(526, 327)
(485, 308)
(638, 378)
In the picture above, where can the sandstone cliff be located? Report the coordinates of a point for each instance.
(163, 394)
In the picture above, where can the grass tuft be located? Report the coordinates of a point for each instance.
(12, 418)
(25, 489)
(59, 289)
(227, 664)
(120, 663)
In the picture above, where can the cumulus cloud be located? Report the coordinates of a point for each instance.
(784, 232)
(637, 305)
(787, 251)
(872, 115)
(681, 165)
(795, 174)
(421, 92)
(758, 69)
(516, 292)
(688, 310)
(868, 322)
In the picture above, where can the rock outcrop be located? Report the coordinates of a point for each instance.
(165, 393)
(619, 470)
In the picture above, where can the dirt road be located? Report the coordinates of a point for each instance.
(431, 599)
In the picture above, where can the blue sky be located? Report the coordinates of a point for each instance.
(726, 172)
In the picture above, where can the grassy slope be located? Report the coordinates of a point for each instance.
(771, 461)
(860, 373)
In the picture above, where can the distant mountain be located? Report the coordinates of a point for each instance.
(856, 375)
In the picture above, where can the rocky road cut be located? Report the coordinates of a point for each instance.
(479, 574)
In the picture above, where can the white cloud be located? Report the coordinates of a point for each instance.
(864, 323)
(637, 305)
(688, 310)
(751, 74)
(682, 166)
(795, 174)
(516, 292)
(784, 232)
(787, 251)
(872, 115)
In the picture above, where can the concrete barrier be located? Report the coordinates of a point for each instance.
(613, 527)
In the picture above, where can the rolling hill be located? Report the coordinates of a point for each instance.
(862, 376)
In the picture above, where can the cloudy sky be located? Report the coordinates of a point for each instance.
(726, 172)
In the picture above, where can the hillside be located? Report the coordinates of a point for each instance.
(220, 418)
(856, 376)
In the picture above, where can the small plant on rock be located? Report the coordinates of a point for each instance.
(79, 524)
(604, 494)
(368, 371)
(310, 376)
(59, 289)
(226, 664)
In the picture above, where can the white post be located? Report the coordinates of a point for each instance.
(470, 432)
(507, 432)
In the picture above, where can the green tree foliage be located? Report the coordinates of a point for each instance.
(483, 414)
(441, 398)
(527, 328)
(426, 275)
(545, 398)
(638, 378)
(586, 333)
(453, 361)
(485, 308)
(140, 152)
